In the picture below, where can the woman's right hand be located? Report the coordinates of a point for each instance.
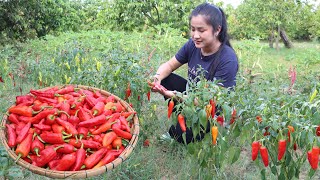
(156, 87)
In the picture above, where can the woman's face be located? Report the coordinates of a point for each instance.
(202, 33)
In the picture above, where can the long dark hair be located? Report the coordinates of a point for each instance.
(215, 17)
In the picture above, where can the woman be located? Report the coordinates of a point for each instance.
(208, 47)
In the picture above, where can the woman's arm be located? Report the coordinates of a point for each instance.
(165, 69)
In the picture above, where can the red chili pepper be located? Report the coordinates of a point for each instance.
(53, 138)
(22, 110)
(13, 118)
(46, 155)
(108, 138)
(23, 133)
(255, 149)
(118, 107)
(53, 163)
(264, 155)
(111, 98)
(109, 157)
(50, 119)
(37, 146)
(295, 146)
(47, 100)
(128, 91)
(93, 121)
(19, 126)
(65, 149)
(42, 127)
(315, 157)
(98, 108)
(103, 128)
(170, 108)
(82, 131)
(281, 148)
(23, 148)
(65, 90)
(74, 120)
(220, 120)
(127, 114)
(83, 115)
(94, 158)
(117, 143)
(97, 138)
(86, 143)
(80, 157)
(56, 128)
(91, 101)
(123, 134)
(65, 107)
(233, 116)
(65, 162)
(124, 124)
(40, 106)
(42, 115)
(68, 126)
(213, 105)
(75, 94)
(148, 95)
(12, 137)
(24, 99)
(182, 123)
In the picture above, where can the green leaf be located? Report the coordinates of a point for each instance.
(263, 174)
(311, 173)
(236, 155)
(274, 170)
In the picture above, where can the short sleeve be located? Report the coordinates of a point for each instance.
(183, 54)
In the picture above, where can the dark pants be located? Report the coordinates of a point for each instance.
(178, 83)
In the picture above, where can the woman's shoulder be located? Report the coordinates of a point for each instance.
(229, 53)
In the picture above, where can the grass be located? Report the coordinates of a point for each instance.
(162, 159)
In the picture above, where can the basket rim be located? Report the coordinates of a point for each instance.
(135, 130)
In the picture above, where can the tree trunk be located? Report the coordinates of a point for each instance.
(271, 38)
(277, 39)
(285, 39)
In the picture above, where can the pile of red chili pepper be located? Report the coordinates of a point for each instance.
(68, 128)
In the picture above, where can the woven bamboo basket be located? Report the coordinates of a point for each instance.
(83, 173)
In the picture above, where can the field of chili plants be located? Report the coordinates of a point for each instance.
(267, 127)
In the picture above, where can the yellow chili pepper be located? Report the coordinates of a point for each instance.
(214, 132)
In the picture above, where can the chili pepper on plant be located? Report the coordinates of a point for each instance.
(214, 134)
(128, 91)
(213, 107)
(182, 123)
(170, 108)
(281, 148)
(264, 155)
(148, 95)
(255, 146)
(315, 157)
(220, 120)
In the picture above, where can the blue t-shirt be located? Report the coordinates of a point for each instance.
(226, 69)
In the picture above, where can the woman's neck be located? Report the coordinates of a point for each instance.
(211, 50)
